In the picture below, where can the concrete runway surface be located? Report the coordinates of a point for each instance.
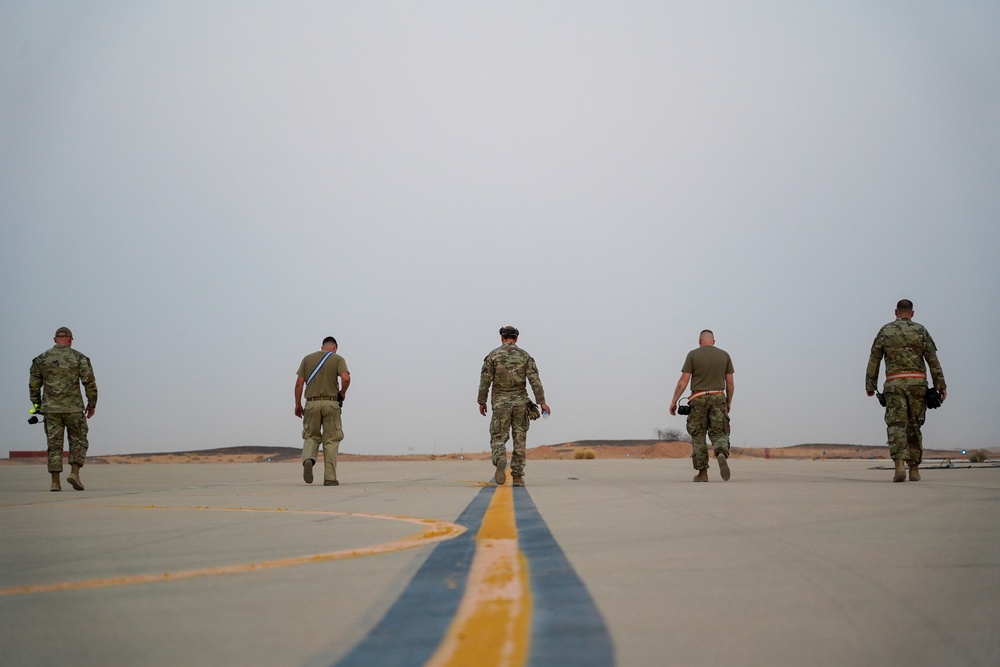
(595, 562)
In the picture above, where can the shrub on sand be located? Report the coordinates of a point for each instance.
(585, 454)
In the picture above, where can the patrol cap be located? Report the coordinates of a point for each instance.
(63, 332)
(509, 331)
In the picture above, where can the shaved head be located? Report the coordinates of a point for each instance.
(706, 337)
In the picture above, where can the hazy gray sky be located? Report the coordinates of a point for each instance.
(203, 191)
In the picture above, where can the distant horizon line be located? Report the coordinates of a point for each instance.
(263, 449)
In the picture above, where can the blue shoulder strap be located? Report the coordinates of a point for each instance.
(318, 366)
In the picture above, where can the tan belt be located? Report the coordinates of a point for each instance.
(322, 398)
(703, 393)
(900, 376)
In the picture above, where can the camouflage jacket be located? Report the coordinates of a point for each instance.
(507, 369)
(60, 370)
(905, 346)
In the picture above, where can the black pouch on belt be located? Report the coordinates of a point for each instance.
(932, 398)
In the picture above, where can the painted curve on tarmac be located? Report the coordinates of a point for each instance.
(433, 531)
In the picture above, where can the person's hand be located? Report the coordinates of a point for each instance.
(944, 394)
(90, 412)
(673, 408)
(482, 409)
(298, 411)
(546, 408)
(870, 393)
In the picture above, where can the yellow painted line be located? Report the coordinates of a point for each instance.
(434, 531)
(493, 623)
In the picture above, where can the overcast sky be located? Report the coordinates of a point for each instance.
(203, 191)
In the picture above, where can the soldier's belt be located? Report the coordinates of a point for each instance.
(698, 394)
(322, 398)
(902, 376)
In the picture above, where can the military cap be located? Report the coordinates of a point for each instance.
(63, 332)
(509, 331)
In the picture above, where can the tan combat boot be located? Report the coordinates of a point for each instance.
(517, 480)
(500, 476)
(56, 486)
(915, 473)
(74, 477)
(900, 473)
(702, 476)
(723, 467)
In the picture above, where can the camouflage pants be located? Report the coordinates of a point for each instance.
(509, 419)
(905, 412)
(321, 425)
(75, 426)
(708, 417)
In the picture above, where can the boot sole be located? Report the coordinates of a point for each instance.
(307, 474)
(500, 477)
(724, 468)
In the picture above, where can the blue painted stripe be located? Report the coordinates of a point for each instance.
(410, 632)
(566, 626)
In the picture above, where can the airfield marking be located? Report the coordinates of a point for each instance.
(567, 627)
(434, 531)
(538, 603)
(493, 622)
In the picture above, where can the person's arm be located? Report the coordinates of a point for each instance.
(730, 388)
(937, 375)
(35, 384)
(536, 383)
(345, 382)
(682, 384)
(89, 385)
(874, 361)
(485, 380)
(300, 382)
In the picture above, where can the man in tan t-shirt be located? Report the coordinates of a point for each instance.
(318, 375)
(710, 371)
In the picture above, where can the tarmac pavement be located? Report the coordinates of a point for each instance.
(618, 561)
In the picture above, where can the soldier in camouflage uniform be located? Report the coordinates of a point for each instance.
(710, 371)
(54, 384)
(905, 345)
(507, 369)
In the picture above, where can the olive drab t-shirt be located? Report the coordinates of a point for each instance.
(708, 366)
(325, 382)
